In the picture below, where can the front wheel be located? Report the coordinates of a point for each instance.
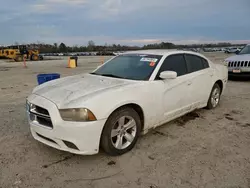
(121, 131)
(34, 57)
(214, 97)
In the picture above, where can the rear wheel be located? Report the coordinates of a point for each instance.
(214, 97)
(121, 131)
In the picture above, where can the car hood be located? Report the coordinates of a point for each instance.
(63, 91)
(244, 57)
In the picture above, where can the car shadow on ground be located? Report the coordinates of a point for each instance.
(62, 157)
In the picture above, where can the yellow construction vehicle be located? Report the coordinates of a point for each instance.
(17, 53)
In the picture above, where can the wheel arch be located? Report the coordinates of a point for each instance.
(220, 83)
(135, 107)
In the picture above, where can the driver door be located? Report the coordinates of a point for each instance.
(176, 92)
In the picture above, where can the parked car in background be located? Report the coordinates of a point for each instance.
(123, 98)
(105, 53)
(117, 53)
(73, 54)
(239, 65)
(232, 50)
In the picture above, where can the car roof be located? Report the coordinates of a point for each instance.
(162, 52)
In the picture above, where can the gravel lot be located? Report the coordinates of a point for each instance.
(203, 149)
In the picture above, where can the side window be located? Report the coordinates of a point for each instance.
(175, 63)
(194, 63)
(205, 63)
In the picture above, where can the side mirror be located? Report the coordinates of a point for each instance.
(237, 52)
(168, 75)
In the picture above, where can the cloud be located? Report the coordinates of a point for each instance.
(41, 8)
(111, 6)
(69, 2)
(49, 6)
(76, 40)
(124, 21)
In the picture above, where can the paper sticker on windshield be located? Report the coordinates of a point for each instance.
(149, 59)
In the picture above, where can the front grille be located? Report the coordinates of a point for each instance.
(239, 64)
(44, 121)
(40, 115)
(42, 110)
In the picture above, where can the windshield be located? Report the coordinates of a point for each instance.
(245, 50)
(130, 66)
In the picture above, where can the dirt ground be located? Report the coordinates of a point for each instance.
(208, 149)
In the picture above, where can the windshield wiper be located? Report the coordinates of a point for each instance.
(111, 75)
(108, 75)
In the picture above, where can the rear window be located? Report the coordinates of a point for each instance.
(205, 63)
(195, 63)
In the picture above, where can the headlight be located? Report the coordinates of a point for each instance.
(77, 114)
(225, 63)
(27, 105)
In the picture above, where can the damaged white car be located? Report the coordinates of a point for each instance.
(122, 99)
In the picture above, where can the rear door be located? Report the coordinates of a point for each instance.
(201, 79)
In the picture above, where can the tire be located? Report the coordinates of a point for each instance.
(214, 98)
(34, 57)
(111, 144)
(40, 58)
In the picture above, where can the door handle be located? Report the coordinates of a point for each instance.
(189, 83)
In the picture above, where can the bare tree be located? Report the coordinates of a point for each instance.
(91, 45)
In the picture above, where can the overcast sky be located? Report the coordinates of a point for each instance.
(124, 21)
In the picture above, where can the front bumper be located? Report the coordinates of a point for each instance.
(238, 71)
(239, 75)
(75, 137)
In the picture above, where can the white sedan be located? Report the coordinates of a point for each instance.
(122, 99)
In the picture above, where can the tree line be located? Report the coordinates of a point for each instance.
(91, 47)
